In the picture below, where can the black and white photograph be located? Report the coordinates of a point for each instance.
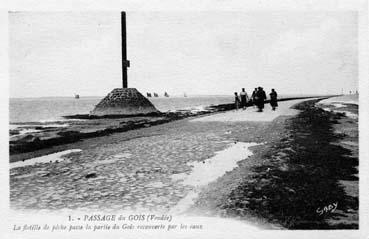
(155, 124)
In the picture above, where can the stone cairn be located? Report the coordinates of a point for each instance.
(124, 101)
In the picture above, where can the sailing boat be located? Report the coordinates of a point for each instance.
(76, 96)
(166, 94)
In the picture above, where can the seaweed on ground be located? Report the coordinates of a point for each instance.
(302, 175)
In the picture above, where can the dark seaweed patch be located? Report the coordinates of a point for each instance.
(291, 188)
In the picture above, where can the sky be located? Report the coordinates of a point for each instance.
(200, 53)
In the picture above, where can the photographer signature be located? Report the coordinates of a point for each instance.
(330, 208)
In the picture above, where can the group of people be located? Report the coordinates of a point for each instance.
(257, 99)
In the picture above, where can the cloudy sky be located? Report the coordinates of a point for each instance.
(62, 53)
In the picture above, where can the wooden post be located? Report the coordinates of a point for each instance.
(125, 62)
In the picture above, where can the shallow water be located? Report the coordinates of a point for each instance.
(210, 170)
(345, 99)
(52, 109)
(335, 103)
(50, 158)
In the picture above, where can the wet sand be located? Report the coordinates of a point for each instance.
(251, 113)
(291, 180)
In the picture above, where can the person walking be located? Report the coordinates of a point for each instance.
(273, 99)
(236, 100)
(260, 97)
(253, 96)
(244, 98)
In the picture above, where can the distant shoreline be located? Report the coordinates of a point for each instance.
(162, 97)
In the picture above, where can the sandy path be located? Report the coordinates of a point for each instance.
(251, 114)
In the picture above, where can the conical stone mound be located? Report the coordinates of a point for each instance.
(124, 101)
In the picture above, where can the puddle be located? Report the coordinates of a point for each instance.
(350, 143)
(50, 158)
(123, 155)
(25, 131)
(347, 113)
(52, 125)
(185, 203)
(115, 158)
(210, 170)
(338, 105)
(340, 102)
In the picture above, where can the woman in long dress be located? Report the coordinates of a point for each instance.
(273, 99)
(244, 98)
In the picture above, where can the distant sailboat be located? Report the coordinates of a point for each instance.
(148, 94)
(166, 94)
(156, 94)
(76, 96)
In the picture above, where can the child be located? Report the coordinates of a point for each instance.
(236, 100)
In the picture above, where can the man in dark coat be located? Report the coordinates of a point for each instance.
(273, 99)
(260, 97)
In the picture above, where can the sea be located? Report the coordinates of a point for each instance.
(49, 110)
(52, 109)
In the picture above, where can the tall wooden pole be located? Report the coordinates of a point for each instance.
(125, 62)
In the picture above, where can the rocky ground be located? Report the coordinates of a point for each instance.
(120, 170)
(137, 169)
(126, 170)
